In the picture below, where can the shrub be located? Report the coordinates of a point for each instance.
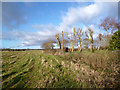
(114, 43)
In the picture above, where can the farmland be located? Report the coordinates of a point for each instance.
(52, 69)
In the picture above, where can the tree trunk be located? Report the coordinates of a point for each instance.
(99, 45)
(62, 40)
(72, 46)
(74, 33)
(80, 46)
(80, 49)
(91, 44)
(59, 43)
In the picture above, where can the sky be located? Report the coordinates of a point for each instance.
(29, 24)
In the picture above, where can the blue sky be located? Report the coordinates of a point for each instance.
(28, 25)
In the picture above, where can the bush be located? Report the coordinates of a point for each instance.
(114, 43)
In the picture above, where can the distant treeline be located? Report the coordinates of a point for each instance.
(8, 49)
(18, 49)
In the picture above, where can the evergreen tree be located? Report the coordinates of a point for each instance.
(114, 43)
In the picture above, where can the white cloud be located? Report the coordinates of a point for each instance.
(91, 14)
(27, 38)
(46, 30)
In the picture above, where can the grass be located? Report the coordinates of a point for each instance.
(35, 69)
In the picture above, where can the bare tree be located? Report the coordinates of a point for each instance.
(58, 40)
(91, 39)
(99, 36)
(90, 36)
(65, 41)
(86, 43)
(79, 34)
(96, 43)
(87, 38)
(75, 36)
(51, 41)
(48, 45)
(105, 40)
(109, 24)
(73, 41)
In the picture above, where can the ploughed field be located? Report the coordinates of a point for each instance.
(51, 69)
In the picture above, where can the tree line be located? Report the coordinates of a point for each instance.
(81, 39)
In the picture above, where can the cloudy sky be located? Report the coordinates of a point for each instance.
(29, 24)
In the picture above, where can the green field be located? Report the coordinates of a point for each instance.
(38, 69)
